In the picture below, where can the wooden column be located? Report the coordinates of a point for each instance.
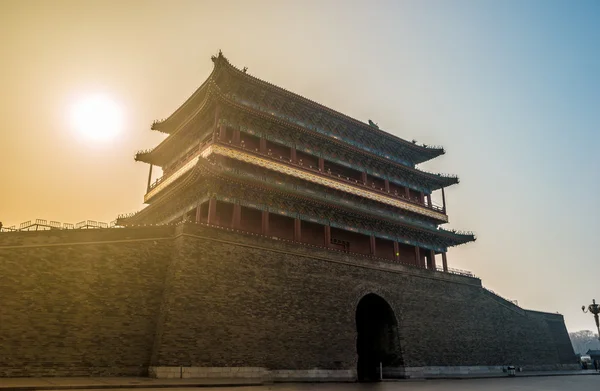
(216, 124)
(236, 219)
(431, 261)
(327, 238)
(421, 197)
(199, 212)
(372, 243)
(396, 251)
(263, 145)
(265, 222)
(149, 179)
(321, 164)
(236, 136)
(407, 192)
(429, 203)
(418, 256)
(223, 133)
(364, 177)
(294, 155)
(297, 230)
(445, 262)
(387, 185)
(217, 115)
(212, 211)
(443, 200)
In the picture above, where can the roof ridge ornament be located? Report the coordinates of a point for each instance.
(373, 124)
(219, 56)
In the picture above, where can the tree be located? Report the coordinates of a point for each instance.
(584, 340)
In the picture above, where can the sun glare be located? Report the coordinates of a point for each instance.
(97, 117)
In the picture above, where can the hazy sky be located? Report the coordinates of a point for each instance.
(511, 89)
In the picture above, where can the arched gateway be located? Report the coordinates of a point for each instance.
(377, 341)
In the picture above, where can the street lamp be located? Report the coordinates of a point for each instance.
(595, 310)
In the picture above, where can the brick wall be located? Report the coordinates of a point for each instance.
(281, 306)
(559, 334)
(117, 301)
(80, 302)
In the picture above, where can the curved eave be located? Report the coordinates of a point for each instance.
(431, 153)
(159, 126)
(144, 157)
(443, 181)
(132, 218)
(169, 124)
(124, 220)
(458, 238)
(155, 156)
(427, 153)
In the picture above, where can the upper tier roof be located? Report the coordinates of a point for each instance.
(413, 154)
(211, 94)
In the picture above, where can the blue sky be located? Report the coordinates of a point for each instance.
(511, 89)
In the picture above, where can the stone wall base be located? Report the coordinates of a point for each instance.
(552, 367)
(458, 371)
(423, 372)
(71, 371)
(253, 374)
(319, 375)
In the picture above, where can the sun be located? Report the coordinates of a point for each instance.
(97, 117)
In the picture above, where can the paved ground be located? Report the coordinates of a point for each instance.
(553, 383)
(539, 383)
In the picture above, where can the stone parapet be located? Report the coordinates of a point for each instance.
(68, 237)
(253, 374)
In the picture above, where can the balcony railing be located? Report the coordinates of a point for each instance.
(338, 175)
(300, 164)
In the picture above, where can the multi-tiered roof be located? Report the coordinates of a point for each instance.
(244, 141)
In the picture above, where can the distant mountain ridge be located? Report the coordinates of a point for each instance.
(584, 340)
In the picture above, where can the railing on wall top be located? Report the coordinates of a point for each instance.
(514, 302)
(45, 225)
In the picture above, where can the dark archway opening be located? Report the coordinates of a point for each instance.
(378, 342)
